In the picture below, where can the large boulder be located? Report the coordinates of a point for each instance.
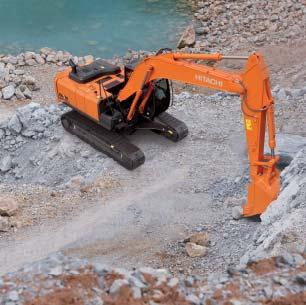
(188, 38)
(194, 250)
(8, 206)
(8, 92)
(6, 164)
(14, 124)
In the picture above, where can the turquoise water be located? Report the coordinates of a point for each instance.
(99, 27)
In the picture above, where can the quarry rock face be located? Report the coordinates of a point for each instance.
(229, 24)
(283, 226)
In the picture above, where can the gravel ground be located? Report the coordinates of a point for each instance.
(73, 199)
(182, 181)
(121, 221)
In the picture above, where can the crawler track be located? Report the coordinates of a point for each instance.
(116, 145)
(110, 143)
(175, 130)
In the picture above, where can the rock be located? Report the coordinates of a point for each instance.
(100, 269)
(46, 51)
(135, 281)
(8, 206)
(76, 182)
(201, 30)
(29, 80)
(19, 94)
(8, 92)
(14, 124)
(193, 299)
(173, 282)
(4, 224)
(301, 278)
(194, 250)
(6, 164)
(88, 59)
(25, 115)
(31, 62)
(237, 212)
(29, 55)
(136, 293)
(85, 154)
(13, 296)
(19, 72)
(268, 292)
(39, 59)
(296, 93)
(199, 238)
(59, 56)
(286, 259)
(56, 271)
(96, 301)
(188, 38)
(2, 83)
(75, 60)
(51, 58)
(12, 60)
(117, 285)
(282, 94)
(27, 93)
(298, 260)
(10, 68)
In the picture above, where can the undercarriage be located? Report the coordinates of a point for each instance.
(114, 143)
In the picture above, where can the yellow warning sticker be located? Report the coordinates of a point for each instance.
(248, 124)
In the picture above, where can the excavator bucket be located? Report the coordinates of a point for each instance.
(263, 190)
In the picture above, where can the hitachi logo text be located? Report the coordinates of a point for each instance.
(209, 80)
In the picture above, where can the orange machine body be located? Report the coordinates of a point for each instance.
(252, 84)
(86, 98)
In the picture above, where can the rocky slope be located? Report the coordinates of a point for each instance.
(59, 280)
(283, 226)
(16, 83)
(229, 25)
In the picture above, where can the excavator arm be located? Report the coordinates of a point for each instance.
(257, 105)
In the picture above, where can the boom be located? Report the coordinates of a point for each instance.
(257, 106)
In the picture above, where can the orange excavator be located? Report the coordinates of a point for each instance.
(109, 101)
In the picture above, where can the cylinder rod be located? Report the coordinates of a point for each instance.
(235, 57)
